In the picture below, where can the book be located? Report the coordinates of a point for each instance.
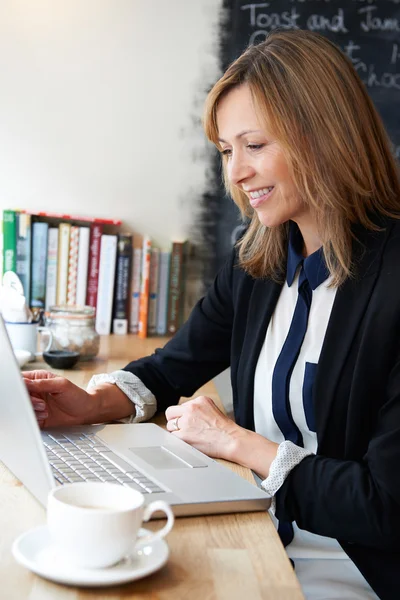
(67, 217)
(23, 258)
(83, 262)
(122, 281)
(144, 287)
(39, 262)
(96, 231)
(51, 274)
(1, 247)
(163, 283)
(64, 230)
(72, 265)
(108, 257)
(135, 284)
(176, 285)
(9, 241)
(153, 291)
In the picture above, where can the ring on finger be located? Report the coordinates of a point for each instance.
(175, 424)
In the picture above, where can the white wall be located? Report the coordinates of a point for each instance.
(98, 103)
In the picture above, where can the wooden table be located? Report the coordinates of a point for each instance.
(221, 557)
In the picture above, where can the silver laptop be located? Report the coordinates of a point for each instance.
(142, 456)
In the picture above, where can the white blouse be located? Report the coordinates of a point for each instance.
(323, 568)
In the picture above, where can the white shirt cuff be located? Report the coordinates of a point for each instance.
(134, 388)
(288, 456)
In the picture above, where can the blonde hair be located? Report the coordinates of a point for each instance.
(339, 155)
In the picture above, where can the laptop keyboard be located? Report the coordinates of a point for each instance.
(80, 457)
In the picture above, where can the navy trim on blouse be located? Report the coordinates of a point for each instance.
(315, 268)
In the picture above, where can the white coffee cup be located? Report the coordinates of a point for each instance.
(24, 336)
(96, 524)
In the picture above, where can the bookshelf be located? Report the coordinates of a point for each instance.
(74, 260)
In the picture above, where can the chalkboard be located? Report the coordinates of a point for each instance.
(369, 33)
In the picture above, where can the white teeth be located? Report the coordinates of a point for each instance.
(262, 192)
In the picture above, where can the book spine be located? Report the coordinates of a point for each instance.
(73, 265)
(83, 262)
(23, 264)
(1, 247)
(39, 262)
(144, 288)
(64, 230)
(182, 291)
(9, 241)
(94, 261)
(175, 276)
(162, 306)
(122, 281)
(153, 290)
(135, 292)
(108, 257)
(51, 275)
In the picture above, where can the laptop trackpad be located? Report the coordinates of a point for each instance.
(166, 457)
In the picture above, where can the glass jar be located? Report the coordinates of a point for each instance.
(73, 328)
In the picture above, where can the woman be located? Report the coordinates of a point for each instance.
(306, 313)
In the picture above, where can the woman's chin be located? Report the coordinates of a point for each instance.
(269, 220)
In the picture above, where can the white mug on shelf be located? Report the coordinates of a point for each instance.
(95, 525)
(25, 336)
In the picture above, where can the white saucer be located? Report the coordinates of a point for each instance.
(36, 551)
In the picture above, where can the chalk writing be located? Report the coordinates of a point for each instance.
(268, 21)
(380, 73)
(322, 23)
(372, 23)
(368, 73)
(372, 79)
(395, 54)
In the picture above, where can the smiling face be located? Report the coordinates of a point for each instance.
(255, 162)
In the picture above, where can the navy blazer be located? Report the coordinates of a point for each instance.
(349, 490)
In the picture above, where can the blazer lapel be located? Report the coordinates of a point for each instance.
(348, 310)
(263, 300)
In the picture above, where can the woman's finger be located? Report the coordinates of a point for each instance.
(173, 424)
(54, 385)
(38, 403)
(173, 411)
(41, 416)
(41, 413)
(38, 374)
(32, 389)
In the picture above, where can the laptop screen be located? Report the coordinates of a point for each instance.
(21, 446)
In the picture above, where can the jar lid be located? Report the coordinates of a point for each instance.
(64, 311)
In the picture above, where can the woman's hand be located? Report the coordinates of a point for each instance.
(204, 426)
(57, 401)
(201, 424)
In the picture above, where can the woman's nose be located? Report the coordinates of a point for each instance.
(239, 169)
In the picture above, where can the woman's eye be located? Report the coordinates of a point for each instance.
(252, 147)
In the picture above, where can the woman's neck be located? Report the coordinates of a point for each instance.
(312, 241)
